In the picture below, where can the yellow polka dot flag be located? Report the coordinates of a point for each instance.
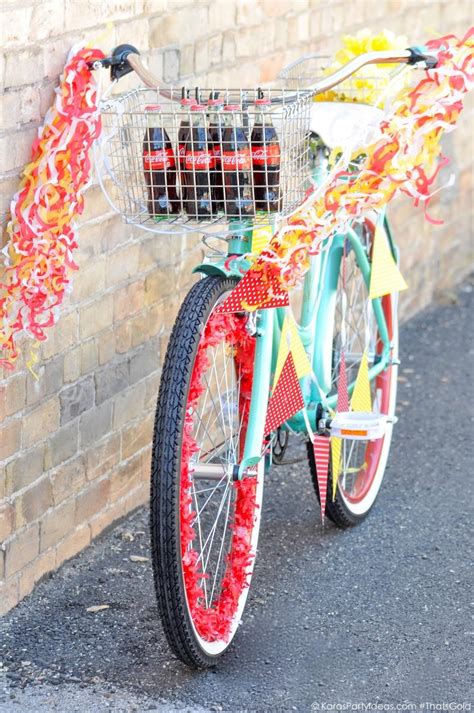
(291, 342)
(361, 399)
(386, 277)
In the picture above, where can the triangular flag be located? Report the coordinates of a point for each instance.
(342, 405)
(342, 392)
(286, 399)
(261, 234)
(385, 277)
(252, 293)
(321, 456)
(336, 447)
(291, 342)
(361, 396)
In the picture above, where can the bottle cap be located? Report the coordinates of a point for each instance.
(215, 102)
(153, 107)
(232, 107)
(187, 102)
(263, 102)
(198, 107)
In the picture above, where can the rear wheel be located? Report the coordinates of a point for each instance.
(362, 463)
(204, 522)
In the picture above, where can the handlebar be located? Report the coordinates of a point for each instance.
(126, 58)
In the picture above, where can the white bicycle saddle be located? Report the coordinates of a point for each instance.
(344, 124)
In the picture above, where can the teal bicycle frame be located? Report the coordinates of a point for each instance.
(315, 328)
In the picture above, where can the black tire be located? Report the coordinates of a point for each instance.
(164, 501)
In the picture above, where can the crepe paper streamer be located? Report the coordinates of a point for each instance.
(290, 342)
(253, 292)
(406, 157)
(42, 238)
(361, 397)
(385, 276)
(214, 623)
(286, 398)
(321, 446)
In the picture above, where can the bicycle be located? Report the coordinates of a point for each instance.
(210, 449)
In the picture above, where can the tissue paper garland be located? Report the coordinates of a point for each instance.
(406, 157)
(41, 232)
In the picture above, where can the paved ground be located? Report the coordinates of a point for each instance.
(375, 614)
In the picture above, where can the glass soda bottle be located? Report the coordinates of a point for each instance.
(198, 167)
(159, 166)
(216, 131)
(236, 167)
(265, 159)
(183, 133)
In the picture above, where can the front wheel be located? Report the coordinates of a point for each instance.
(362, 463)
(204, 521)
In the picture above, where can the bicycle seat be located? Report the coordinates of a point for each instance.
(345, 125)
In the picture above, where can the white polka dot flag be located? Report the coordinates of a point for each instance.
(286, 398)
(321, 456)
(251, 294)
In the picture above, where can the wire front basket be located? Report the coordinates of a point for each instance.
(239, 160)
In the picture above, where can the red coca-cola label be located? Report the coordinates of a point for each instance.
(182, 153)
(216, 150)
(236, 160)
(158, 160)
(266, 155)
(199, 161)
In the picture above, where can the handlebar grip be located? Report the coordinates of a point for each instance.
(119, 65)
(147, 77)
(419, 54)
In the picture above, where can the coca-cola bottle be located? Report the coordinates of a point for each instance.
(183, 133)
(236, 166)
(198, 167)
(265, 159)
(216, 131)
(159, 166)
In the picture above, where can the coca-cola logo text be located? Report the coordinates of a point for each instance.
(266, 155)
(160, 160)
(199, 161)
(232, 160)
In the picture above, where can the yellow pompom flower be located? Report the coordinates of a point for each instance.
(367, 86)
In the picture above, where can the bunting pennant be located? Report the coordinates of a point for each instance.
(261, 235)
(321, 457)
(253, 293)
(361, 397)
(291, 342)
(342, 405)
(385, 276)
(286, 398)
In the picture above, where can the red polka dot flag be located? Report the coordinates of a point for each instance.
(321, 456)
(286, 399)
(254, 293)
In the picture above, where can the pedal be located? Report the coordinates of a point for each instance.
(360, 426)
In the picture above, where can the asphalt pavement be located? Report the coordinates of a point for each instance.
(378, 614)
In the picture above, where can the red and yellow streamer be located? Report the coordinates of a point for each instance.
(42, 237)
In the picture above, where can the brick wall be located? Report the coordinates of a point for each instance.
(75, 445)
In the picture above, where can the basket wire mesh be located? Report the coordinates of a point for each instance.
(227, 166)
